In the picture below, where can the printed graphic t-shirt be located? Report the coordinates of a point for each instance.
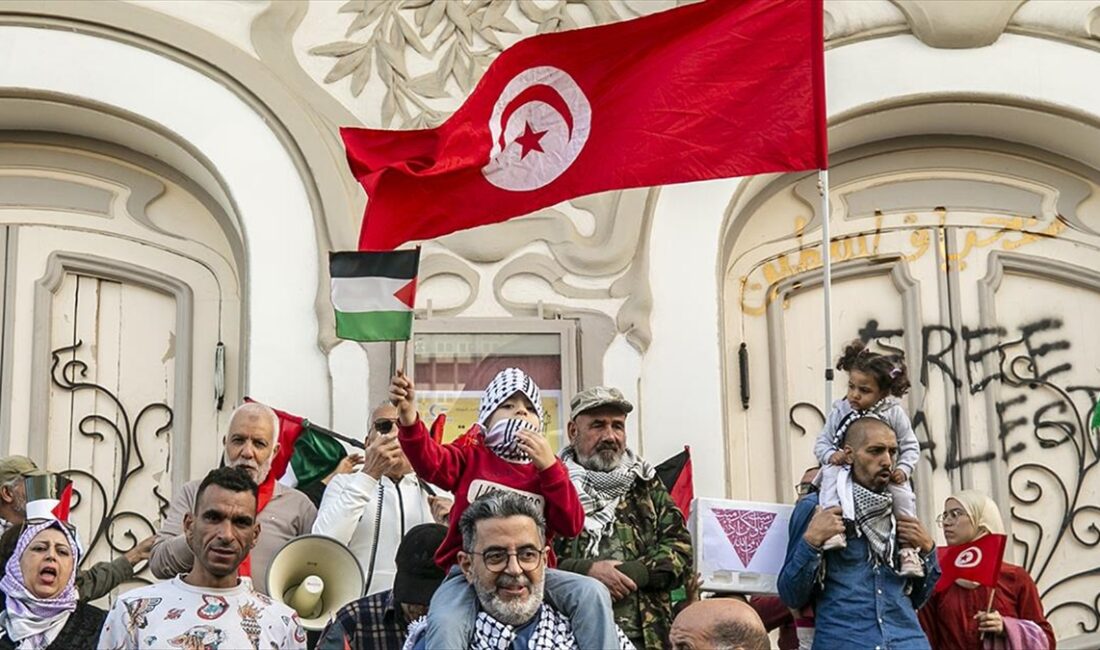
(174, 614)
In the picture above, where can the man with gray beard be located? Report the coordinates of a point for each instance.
(504, 559)
(282, 512)
(634, 539)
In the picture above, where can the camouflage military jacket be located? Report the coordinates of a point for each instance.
(654, 545)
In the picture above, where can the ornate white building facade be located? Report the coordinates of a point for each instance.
(171, 181)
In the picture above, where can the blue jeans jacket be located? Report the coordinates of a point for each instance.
(861, 605)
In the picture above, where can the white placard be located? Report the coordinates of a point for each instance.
(739, 545)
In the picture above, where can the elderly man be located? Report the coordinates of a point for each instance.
(504, 558)
(861, 601)
(210, 606)
(284, 512)
(719, 624)
(94, 582)
(634, 540)
(370, 510)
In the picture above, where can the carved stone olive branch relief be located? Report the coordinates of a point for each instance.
(459, 38)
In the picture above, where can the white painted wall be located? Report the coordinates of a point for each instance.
(286, 368)
(681, 373)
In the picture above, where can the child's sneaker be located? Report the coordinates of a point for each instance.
(911, 566)
(835, 542)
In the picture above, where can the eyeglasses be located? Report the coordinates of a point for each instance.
(529, 558)
(384, 426)
(950, 516)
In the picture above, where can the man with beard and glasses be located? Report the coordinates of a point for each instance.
(634, 539)
(211, 606)
(285, 513)
(503, 557)
(859, 599)
(349, 511)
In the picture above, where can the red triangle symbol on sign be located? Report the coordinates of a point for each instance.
(745, 529)
(407, 293)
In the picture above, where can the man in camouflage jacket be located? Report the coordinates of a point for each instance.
(634, 539)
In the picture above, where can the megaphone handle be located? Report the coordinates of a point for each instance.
(377, 531)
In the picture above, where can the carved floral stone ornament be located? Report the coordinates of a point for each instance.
(457, 38)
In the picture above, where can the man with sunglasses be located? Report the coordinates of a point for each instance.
(504, 559)
(371, 510)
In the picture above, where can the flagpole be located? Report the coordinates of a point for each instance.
(989, 607)
(827, 268)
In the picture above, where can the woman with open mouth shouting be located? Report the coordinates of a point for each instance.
(40, 602)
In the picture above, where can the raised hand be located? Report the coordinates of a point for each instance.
(403, 396)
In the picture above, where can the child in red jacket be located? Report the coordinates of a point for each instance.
(505, 451)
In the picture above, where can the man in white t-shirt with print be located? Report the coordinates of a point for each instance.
(210, 607)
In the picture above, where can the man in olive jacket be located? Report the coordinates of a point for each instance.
(634, 539)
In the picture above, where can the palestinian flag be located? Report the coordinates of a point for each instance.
(676, 475)
(373, 293)
(307, 452)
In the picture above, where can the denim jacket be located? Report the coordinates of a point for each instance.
(860, 605)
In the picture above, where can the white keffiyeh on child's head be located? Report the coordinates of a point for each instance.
(507, 383)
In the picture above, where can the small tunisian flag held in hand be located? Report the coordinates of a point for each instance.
(715, 89)
(978, 561)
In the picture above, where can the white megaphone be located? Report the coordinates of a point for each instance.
(315, 575)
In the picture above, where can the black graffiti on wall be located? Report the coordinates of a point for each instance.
(985, 353)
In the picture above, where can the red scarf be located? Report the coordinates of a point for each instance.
(267, 488)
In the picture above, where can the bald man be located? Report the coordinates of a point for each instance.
(282, 512)
(718, 624)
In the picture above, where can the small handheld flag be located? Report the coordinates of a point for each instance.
(676, 474)
(49, 496)
(978, 561)
(373, 293)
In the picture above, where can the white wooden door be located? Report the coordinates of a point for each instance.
(995, 314)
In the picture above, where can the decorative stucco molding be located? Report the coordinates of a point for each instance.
(958, 25)
(1075, 19)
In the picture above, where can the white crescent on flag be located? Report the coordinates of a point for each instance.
(970, 557)
(539, 125)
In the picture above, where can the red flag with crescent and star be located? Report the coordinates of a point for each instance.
(978, 561)
(716, 89)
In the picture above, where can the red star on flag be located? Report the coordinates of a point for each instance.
(529, 141)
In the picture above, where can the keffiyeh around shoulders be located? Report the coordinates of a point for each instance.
(600, 492)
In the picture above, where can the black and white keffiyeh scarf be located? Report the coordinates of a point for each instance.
(553, 631)
(875, 520)
(600, 492)
(508, 382)
(502, 440)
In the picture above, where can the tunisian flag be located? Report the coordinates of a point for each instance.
(716, 89)
(978, 561)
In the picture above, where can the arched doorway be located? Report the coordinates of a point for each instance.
(977, 259)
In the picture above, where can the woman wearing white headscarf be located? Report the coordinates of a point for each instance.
(40, 602)
(956, 618)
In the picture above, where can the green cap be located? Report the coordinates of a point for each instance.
(596, 397)
(13, 467)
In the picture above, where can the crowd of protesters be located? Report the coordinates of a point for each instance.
(532, 549)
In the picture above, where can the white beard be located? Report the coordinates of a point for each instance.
(512, 612)
(261, 470)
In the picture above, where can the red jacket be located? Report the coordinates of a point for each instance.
(471, 470)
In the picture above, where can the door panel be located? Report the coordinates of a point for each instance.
(997, 317)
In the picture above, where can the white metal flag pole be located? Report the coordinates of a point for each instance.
(827, 268)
